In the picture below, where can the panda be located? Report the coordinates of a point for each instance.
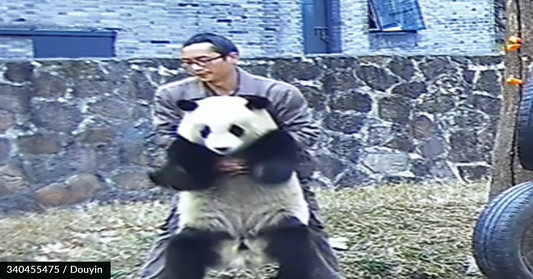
(237, 222)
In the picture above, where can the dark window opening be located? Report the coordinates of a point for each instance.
(395, 16)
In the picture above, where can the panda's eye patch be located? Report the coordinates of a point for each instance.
(205, 132)
(236, 130)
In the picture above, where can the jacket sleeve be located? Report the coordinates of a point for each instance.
(165, 117)
(293, 114)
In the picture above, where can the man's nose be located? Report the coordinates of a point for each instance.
(196, 68)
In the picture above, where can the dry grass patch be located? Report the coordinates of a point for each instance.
(393, 232)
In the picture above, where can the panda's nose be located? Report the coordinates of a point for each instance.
(222, 149)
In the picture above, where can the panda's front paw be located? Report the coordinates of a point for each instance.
(271, 172)
(176, 178)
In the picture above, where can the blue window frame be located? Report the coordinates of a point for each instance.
(68, 44)
(395, 16)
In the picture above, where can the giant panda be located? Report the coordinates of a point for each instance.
(237, 222)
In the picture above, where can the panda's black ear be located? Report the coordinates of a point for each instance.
(256, 102)
(187, 105)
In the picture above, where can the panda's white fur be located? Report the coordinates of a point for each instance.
(242, 207)
(239, 206)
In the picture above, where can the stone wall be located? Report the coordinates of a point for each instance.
(72, 130)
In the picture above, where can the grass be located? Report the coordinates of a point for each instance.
(415, 232)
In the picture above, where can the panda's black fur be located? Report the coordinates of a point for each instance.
(221, 216)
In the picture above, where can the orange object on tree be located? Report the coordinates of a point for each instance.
(514, 40)
(512, 47)
(514, 81)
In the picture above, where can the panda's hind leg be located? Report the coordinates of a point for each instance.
(290, 245)
(191, 252)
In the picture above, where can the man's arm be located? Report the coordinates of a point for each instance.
(293, 113)
(165, 117)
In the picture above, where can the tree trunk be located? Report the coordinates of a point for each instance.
(506, 168)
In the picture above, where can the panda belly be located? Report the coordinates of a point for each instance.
(242, 208)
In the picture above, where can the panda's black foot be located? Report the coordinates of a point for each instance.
(191, 252)
(290, 244)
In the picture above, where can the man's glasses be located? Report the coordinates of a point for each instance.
(202, 62)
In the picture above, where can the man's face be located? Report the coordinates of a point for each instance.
(200, 60)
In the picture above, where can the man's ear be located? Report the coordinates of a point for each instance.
(256, 102)
(187, 105)
(232, 58)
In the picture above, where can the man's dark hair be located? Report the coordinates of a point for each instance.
(221, 44)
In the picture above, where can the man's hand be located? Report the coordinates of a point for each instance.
(232, 166)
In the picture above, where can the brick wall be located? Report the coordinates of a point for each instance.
(453, 27)
(261, 28)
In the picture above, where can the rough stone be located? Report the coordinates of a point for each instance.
(433, 67)
(352, 100)
(376, 78)
(48, 85)
(330, 166)
(394, 108)
(14, 99)
(432, 147)
(92, 88)
(401, 142)
(386, 161)
(6, 122)
(422, 127)
(341, 82)
(133, 153)
(420, 168)
(113, 108)
(353, 178)
(489, 81)
(487, 104)
(402, 67)
(344, 122)
(468, 75)
(294, 69)
(132, 180)
(12, 180)
(464, 117)
(46, 169)
(397, 179)
(474, 172)
(56, 116)
(436, 103)
(144, 89)
(442, 169)
(19, 72)
(5, 151)
(38, 144)
(411, 89)
(75, 189)
(378, 134)
(464, 145)
(346, 147)
(96, 135)
(82, 186)
(315, 99)
(82, 158)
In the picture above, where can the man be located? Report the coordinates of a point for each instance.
(211, 60)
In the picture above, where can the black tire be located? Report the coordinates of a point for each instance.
(525, 127)
(498, 234)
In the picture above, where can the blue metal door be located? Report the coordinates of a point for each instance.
(315, 25)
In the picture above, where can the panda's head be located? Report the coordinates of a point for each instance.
(225, 124)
